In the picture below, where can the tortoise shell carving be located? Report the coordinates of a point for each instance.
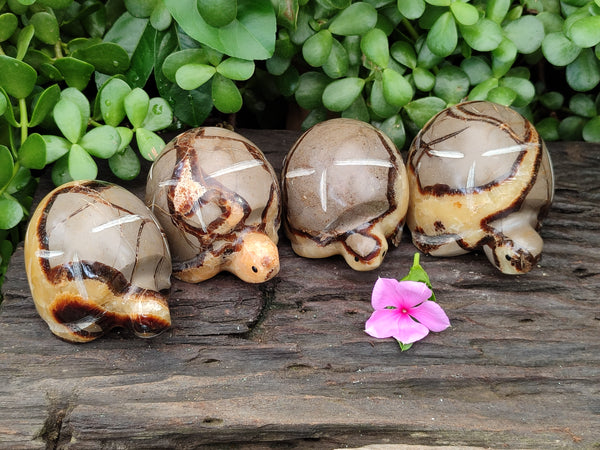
(345, 192)
(96, 258)
(219, 202)
(480, 177)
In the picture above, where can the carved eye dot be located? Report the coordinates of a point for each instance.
(356, 258)
(254, 269)
(508, 258)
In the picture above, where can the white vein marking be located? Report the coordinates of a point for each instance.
(447, 154)
(201, 219)
(323, 190)
(505, 150)
(471, 177)
(242, 165)
(169, 182)
(363, 162)
(299, 173)
(78, 276)
(115, 223)
(47, 254)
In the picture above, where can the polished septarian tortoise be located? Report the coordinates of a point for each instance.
(96, 259)
(480, 177)
(345, 192)
(218, 200)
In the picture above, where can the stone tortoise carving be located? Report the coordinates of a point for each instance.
(97, 259)
(345, 191)
(218, 200)
(480, 177)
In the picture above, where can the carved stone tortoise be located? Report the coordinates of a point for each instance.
(345, 192)
(480, 177)
(218, 200)
(97, 259)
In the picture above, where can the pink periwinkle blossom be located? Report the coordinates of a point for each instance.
(403, 311)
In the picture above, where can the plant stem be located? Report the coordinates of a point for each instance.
(410, 29)
(24, 120)
(58, 50)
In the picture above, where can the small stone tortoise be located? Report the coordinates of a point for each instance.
(219, 202)
(480, 177)
(95, 259)
(345, 192)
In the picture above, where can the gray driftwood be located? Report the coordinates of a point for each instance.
(287, 364)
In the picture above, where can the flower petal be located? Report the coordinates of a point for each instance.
(383, 323)
(412, 293)
(409, 331)
(431, 315)
(384, 294)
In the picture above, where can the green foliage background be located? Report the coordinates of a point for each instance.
(84, 82)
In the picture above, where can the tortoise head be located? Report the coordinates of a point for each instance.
(257, 259)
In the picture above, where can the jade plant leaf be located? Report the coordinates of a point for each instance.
(310, 89)
(236, 69)
(149, 143)
(32, 153)
(136, 106)
(356, 19)
(126, 135)
(583, 74)
(60, 171)
(11, 213)
(251, 35)
(81, 165)
(591, 130)
(111, 100)
(44, 104)
(8, 25)
(191, 107)
(46, 27)
(158, 116)
(411, 9)
(484, 36)
(374, 44)
(559, 50)
(188, 56)
(192, 76)
(526, 32)
(102, 142)
(340, 94)
(337, 63)
(125, 164)
(225, 95)
(443, 36)
(585, 32)
(23, 40)
(107, 57)
(316, 48)
(16, 77)
(56, 147)
(6, 165)
(396, 89)
(69, 119)
(423, 109)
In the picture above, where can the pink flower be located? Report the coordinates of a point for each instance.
(403, 311)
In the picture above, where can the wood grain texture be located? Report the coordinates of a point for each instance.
(287, 364)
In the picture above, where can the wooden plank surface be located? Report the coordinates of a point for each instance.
(287, 364)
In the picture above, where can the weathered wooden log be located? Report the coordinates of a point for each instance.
(287, 363)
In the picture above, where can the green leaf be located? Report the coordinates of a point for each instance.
(111, 99)
(79, 99)
(192, 76)
(127, 31)
(159, 115)
(149, 143)
(142, 60)
(503, 57)
(443, 37)
(310, 89)
(81, 165)
(46, 27)
(552, 100)
(396, 89)
(125, 164)
(8, 25)
(32, 153)
(250, 36)
(6, 165)
(126, 135)
(417, 273)
(316, 48)
(526, 32)
(340, 94)
(140, 8)
(374, 44)
(502, 95)
(464, 13)
(586, 31)
(481, 91)
(102, 142)
(337, 63)
(559, 50)
(571, 128)
(451, 84)
(56, 147)
(583, 74)
(77, 73)
(484, 36)
(218, 13)
(236, 69)
(496, 10)
(60, 171)
(44, 105)
(191, 107)
(548, 128)
(356, 19)
(11, 213)
(423, 109)
(477, 69)
(160, 18)
(136, 106)
(591, 130)
(522, 87)
(378, 104)
(357, 110)
(69, 119)
(424, 80)
(583, 105)
(425, 57)
(552, 22)
(393, 127)
(107, 57)
(404, 53)
(411, 9)
(4, 104)
(225, 95)
(23, 40)
(21, 179)
(188, 56)
(16, 77)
